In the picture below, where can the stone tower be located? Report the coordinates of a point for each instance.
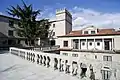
(63, 22)
(62, 25)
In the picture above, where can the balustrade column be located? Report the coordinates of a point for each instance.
(79, 44)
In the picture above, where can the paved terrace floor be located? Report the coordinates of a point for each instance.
(14, 68)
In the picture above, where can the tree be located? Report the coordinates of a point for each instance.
(29, 28)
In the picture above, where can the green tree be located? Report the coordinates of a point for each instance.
(29, 28)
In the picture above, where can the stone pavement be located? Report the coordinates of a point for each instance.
(15, 68)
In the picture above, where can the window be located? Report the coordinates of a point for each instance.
(10, 33)
(66, 54)
(53, 33)
(83, 43)
(92, 32)
(26, 42)
(85, 32)
(52, 42)
(98, 43)
(53, 25)
(65, 43)
(107, 58)
(18, 42)
(105, 74)
(75, 55)
(46, 27)
(46, 34)
(95, 56)
(90, 43)
(19, 24)
(11, 23)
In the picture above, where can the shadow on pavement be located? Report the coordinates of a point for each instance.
(4, 51)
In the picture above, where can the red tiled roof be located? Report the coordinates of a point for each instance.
(101, 32)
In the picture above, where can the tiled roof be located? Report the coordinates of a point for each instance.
(101, 32)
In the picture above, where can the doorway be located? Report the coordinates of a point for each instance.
(107, 45)
(52, 42)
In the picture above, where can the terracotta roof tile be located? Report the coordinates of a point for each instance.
(101, 32)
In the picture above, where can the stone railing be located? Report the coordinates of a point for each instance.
(70, 65)
(57, 62)
(47, 48)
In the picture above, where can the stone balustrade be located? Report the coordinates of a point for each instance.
(74, 66)
(55, 61)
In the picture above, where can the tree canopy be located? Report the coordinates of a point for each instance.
(28, 27)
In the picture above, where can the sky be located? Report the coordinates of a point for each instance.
(100, 13)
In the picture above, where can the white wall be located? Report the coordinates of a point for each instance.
(97, 63)
(117, 43)
(60, 28)
(100, 46)
(90, 47)
(84, 47)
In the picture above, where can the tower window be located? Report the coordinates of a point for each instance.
(65, 43)
(53, 25)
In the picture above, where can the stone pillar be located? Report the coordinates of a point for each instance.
(86, 44)
(94, 44)
(72, 43)
(79, 44)
(103, 44)
(112, 47)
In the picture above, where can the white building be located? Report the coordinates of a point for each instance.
(93, 46)
(62, 25)
(90, 46)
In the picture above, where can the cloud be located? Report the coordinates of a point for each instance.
(84, 17)
(1, 13)
(48, 13)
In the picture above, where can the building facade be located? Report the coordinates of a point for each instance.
(93, 46)
(91, 38)
(8, 36)
(62, 25)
